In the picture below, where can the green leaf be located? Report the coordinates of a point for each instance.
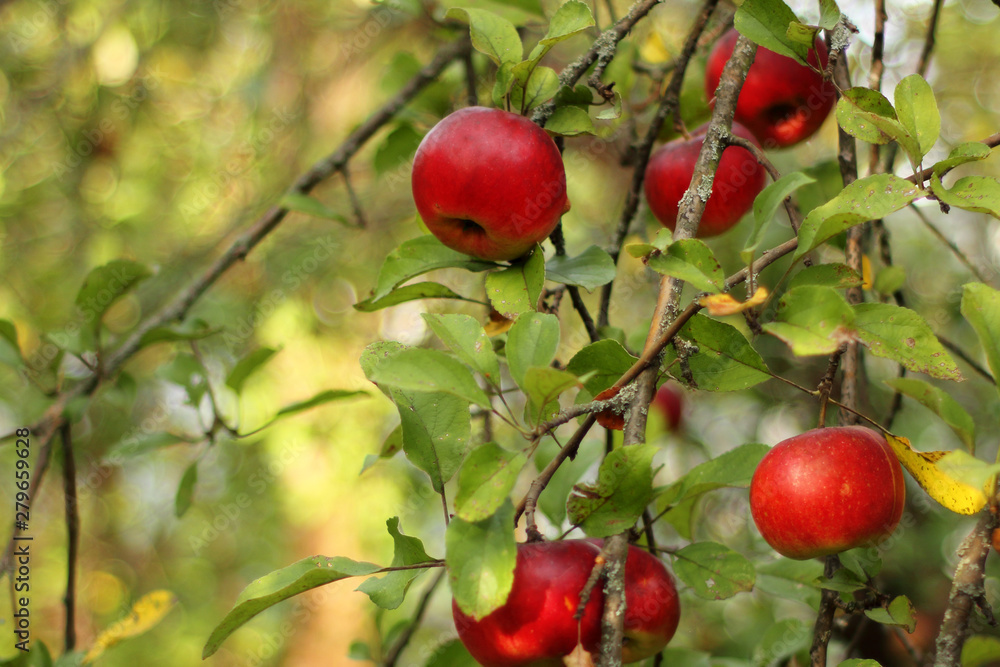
(392, 444)
(981, 308)
(451, 654)
(790, 579)
(491, 34)
(843, 580)
(890, 280)
(301, 203)
(868, 115)
(902, 335)
(543, 386)
(781, 640)
(940, 403)
(323, 397)
(388, 592)
(900, 612)
(246, 366)
(813, 320)
(980, 651)
(541, 86)
(725, 361)
(589, 270)
(138, 444)
(766, 204)
(918, 112)
(436, 431)
(961, 154)
(195, 329)
(692, 261)
(38, 656)
(623, 489)
(415, 370)
(106, 284)
(533, 340)
(860, 662)
(280, 585)
(615, 112)
(569, 121)
(602, 362)
(424, 290)
(837, 276)
(397, 148)
(732, 469)
(503, 84)
(466, 338)
(765, 22)
(481, 556)
(571, 18)
(829, 14)
(713, 571)
(980, 194)
(515, 290)
(418, 256)
(869, 198)
(486, 480)
(185, 490)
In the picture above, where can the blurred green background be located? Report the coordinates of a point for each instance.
(157, 131)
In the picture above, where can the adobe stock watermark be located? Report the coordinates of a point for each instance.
(228, 514)
(240, 162)
(121, 109)
(322, 252)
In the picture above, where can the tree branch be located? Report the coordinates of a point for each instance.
(72, 534)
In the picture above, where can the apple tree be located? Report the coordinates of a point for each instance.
(631, 248)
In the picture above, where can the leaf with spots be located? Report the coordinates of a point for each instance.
(481, 556)
(813, 320)
(952, 493)
(624, 487)
(869, 198)
(899, 612)
(692, 261)
(981, 308)
(898, 333)
(713, 571)
(980, 194)
(918, 112)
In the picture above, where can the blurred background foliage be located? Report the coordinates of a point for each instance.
(156, 131)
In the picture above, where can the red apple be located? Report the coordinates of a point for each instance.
(669, 400)
(826, 491)
(536, 626)
(489, 183)
(738, 180)
(652, 608)
(782, 101)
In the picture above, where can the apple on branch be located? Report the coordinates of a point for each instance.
(782, 101)
(738, 180)
(489, 183)
(827, 490)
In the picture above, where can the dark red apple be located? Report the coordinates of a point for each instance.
(489, 183)
(738, 180)
(536, 626)
(826, 491)
(669, 401)
(782, 101)
(652, 608)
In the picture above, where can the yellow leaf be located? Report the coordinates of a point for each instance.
(653, 50)
(949, 492)
(866, 272)
(497, 325)
(146, 612)
(719, 305)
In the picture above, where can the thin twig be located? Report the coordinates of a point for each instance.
(955, 250)
(668, 105)
(925, 53)
(72, 533)
(967, 592)
(540, 482)
(964, 356)
(848, 159)
(403, 640)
